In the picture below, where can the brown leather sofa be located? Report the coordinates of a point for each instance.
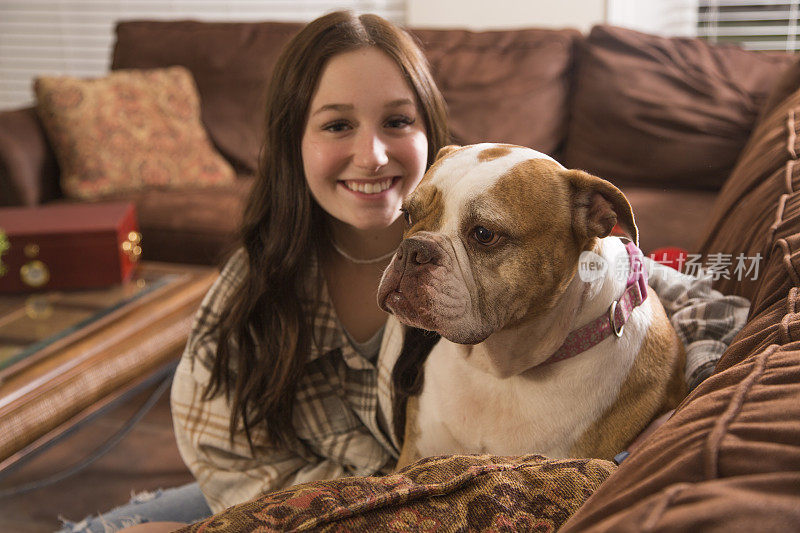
(665, 119)
(704, 142)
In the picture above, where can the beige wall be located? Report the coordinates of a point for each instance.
(493, 14)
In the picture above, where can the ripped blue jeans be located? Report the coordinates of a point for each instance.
(181, 504)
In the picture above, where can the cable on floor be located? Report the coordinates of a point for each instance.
(98, 453)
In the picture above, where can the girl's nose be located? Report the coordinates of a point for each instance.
(370, 152)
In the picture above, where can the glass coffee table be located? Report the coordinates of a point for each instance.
(67, 356)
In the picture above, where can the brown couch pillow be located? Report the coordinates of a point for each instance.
(128, 131)
(753, 200)
(504, 86)
(783, 88)
(728, 459)
(449, 493)
(664, 111)
(231, 63)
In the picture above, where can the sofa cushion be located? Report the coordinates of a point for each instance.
(450, 493)
(128, 131)
(729, 458)
(191, 226)
(28, 169)
(670, 112)
(504, 86)
(744, 217)
(231, 63)
(662, 215)
(783, 88)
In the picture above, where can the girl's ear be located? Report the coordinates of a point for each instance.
(445, 151)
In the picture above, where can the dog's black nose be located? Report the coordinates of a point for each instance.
(416, 251)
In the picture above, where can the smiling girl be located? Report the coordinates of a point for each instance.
(279, 381)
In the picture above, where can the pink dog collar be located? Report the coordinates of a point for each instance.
(613, 321)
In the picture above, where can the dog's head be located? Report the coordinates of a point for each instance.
(494, 233)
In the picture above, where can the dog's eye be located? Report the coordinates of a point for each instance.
(485, 236)
(406, 216)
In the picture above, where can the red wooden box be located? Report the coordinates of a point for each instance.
(67, 246)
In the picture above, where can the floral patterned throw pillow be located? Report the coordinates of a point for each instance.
(443, 493)
(128, 131)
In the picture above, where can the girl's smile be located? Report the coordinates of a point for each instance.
(371, 189)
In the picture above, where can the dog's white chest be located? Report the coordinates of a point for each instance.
(464, 409)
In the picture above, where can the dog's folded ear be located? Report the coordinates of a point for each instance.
(446, 150)
(598, 206)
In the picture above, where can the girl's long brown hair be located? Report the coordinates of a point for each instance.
(265, 333)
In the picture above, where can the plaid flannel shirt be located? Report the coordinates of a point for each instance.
(343, 406)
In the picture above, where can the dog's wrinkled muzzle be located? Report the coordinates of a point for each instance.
(401, 280)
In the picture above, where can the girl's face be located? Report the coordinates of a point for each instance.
(364, 145)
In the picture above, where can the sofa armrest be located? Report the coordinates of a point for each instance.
(28, 169)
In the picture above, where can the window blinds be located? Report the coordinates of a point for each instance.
(754, 24)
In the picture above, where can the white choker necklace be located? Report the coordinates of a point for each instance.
(361, 261)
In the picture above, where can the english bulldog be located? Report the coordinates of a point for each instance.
(553, 343)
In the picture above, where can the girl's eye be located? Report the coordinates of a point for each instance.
(336, 127)
(485, 236)
(400, 122)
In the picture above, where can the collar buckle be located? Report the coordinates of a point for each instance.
(612, 317)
